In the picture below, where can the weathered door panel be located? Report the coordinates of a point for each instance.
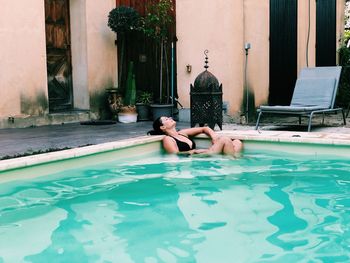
(283, 51)
(59, 68)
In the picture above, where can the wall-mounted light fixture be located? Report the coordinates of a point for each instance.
(188, 68)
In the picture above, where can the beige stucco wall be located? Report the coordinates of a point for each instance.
(101, 51)
(22, 57)
(223, 27)
(23, 72)
(79, 43)
(306, 45)
(256, 25)
(94, 55)
(219, 29)
(340, 22)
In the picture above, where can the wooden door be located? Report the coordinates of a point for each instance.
(283, 51)
(326, 49)
(59, 68)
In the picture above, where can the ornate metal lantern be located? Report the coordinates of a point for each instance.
(206, 99)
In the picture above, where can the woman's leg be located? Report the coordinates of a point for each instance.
(237, 145)
(223, 145)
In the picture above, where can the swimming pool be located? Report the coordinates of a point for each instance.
(263, 207)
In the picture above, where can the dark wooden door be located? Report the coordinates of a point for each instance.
(283, 51)
(326, 33)
(59, 68)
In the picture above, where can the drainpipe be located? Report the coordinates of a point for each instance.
(245, 85)
(308, 36)
(246, 47)
(172, 78)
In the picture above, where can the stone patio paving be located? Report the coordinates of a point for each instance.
(26, 141)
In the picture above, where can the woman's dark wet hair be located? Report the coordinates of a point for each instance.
(156, 127)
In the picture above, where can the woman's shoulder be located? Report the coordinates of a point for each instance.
(168, 138)
(169, 144)
(183, 134)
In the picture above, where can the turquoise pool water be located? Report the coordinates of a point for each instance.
(259, 208)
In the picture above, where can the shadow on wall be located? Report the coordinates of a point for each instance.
(35, 105)
(248, 109)
(99, 105)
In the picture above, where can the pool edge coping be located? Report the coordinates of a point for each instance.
(321, 138)
(246, 135)
(42, 158)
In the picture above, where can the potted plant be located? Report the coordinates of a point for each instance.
(115, 101)
(143, 102)
(123, 20)
(158, 18)
(128, 112)
(343, 98)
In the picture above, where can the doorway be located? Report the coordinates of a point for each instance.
(283, 51)
(58, 51)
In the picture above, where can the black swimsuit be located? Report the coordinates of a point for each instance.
(183, 146)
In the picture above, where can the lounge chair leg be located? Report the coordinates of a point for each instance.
(257, 121)
(310, 120)
(322, 118)
(343, 113)
(299, 120)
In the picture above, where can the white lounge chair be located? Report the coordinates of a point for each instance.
(315, 91)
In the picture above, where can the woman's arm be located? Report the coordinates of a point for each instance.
(198, 130)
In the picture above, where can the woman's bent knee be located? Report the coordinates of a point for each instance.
(238, 145)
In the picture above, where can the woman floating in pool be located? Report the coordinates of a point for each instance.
(180, 141)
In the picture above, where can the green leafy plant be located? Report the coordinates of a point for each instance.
(343, 98)
(123, 21)
(130, 92)
(346, 35)
(156, 24)
(158, 19)
(144, 97)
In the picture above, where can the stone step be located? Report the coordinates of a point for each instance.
(23, 121)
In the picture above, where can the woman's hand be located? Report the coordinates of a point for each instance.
(211, 133)
(196, 151)
(214, 139)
